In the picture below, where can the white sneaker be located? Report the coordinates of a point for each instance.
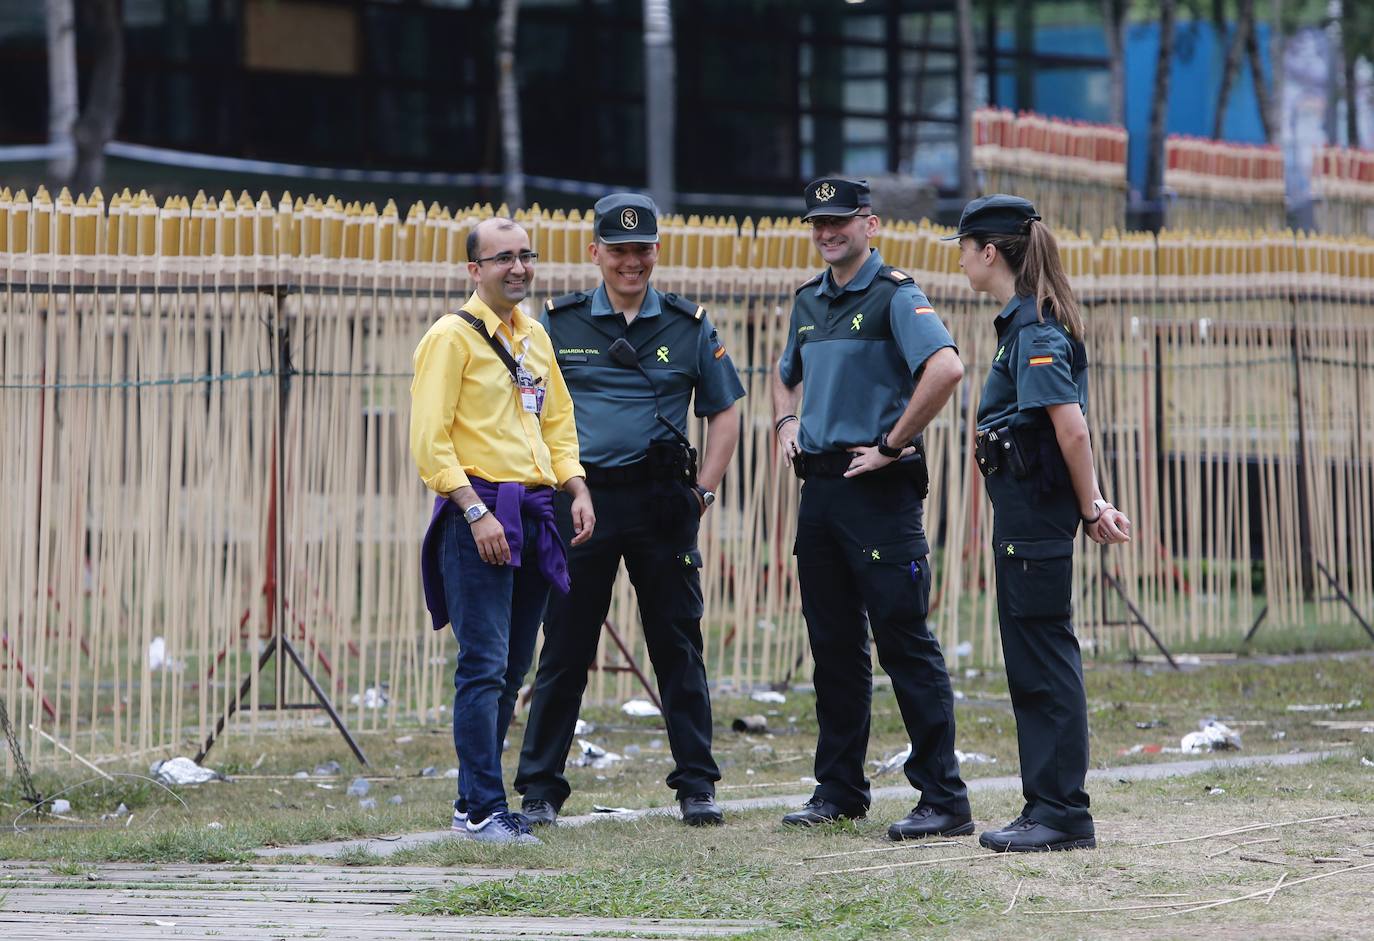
(502, 827)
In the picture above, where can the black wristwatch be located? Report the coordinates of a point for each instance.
(887, 450)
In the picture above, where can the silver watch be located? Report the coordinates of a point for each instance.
(475, 512)
(707, 496)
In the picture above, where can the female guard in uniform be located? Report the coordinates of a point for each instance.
(1034, 451)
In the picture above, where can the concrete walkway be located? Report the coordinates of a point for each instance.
(385, 846)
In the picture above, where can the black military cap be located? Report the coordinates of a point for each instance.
(996, 214)
(626, 217)
(832, 196)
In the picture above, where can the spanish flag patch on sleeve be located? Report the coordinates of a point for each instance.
(1041, 360)
(720, 351)
(925, 310)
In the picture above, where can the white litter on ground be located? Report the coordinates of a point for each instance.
(1211, 736)
(893, 762)
(183, 771)
(973, 758)
(594, 756)
(371, 698)
(1325, 707)
(157, 654)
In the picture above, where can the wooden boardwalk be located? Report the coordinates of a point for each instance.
(265, 903)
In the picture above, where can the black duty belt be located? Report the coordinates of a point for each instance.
(834, 463)
(641, 471)
(635, 473)
(824, 464)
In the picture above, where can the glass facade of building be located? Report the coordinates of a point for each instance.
(769, 92)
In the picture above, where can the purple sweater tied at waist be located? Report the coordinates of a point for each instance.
(511, 504)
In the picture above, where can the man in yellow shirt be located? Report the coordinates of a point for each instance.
(492, 433)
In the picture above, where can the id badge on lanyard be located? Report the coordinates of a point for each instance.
(530, 390)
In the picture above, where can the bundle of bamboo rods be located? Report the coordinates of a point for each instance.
(1343, 190)
(1220, 184)
(1074, 171)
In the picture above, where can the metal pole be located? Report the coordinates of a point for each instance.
(634, 665)
(1304, 507)
(660, 103)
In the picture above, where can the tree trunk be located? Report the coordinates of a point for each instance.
(660, 103)
(1114, 23)
(1229, 66)
(1154, 159)
(1023, 25)
(105, 96)
(508, 101)
(1252, 49)
(1351, 42)
(62, 89)
(1276, 66)
(1352, 103)
(967, 69)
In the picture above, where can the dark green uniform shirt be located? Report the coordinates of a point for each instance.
(1034, 367)
(613, 405)
(858, 350)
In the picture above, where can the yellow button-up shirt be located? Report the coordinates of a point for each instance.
(465, 412)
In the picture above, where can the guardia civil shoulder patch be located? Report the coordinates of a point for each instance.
(1041, 360)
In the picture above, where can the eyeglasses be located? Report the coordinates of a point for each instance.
(835, 222)
(506, 259)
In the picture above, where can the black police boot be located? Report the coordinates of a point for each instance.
(925, 820)
(1024, 835)
(701, 810)
(540, 813)
(818, 811)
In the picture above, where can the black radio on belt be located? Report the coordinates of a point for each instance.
(995, 449)
(672, 460)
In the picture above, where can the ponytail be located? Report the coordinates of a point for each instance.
(1034, 259)
(1042, 275)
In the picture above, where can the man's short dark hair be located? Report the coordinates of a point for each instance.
(474, 243)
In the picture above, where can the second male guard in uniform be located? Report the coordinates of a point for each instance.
(633, 358)
(871, 365)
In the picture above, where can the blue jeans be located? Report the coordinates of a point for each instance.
(495, 612)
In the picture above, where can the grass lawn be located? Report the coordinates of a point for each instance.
(753, 868)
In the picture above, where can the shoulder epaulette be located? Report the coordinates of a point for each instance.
(901, 277)
(684, 306)
(809, 283)
(554, 304)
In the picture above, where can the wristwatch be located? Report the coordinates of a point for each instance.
(1100, 506)
(886, 450)
(707, 496)
(475, 512)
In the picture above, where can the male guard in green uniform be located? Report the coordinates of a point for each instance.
(871, 365)
(632, 358)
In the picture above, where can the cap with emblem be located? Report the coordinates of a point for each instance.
(626, 217)
(832, 196)
(997, 214)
